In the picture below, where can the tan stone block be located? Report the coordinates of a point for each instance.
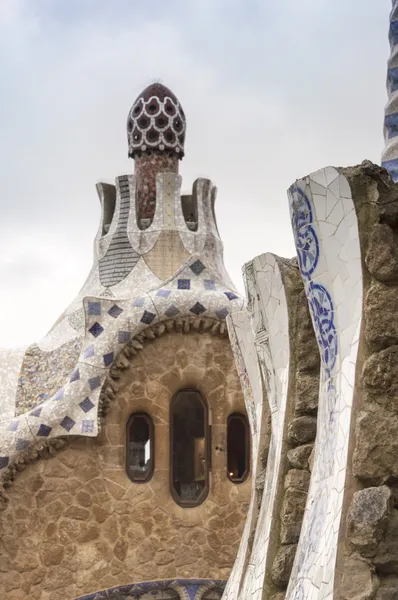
(163, 557)
(298, 479)
(380, 310)
(120, 549)
(110, 529)
(25, 561)
(51, 554)
(69, 457)
(21, 513)
(88, 533)
(55, 509)
(68, 530)
(86, 469)
(186, 555)
(77, 512)
(374, 458)
(359, 581)
(83, 498)
(283, 564)
(214, 541)
(171, 380)
(145, 572)
(53, 468)
(115, 490)
(146, 552)
(100, 513)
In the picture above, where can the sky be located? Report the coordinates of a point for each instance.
(272, 90)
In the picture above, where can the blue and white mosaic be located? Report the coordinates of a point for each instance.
(171, 589)
(326, 234)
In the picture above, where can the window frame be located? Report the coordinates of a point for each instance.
(151, 426)
(207, 432)
(246, 474)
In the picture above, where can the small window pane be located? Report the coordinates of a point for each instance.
(238, 448)
(189, 440)
(140, 448)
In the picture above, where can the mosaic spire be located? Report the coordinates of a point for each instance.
(156, 135)
(390, 153)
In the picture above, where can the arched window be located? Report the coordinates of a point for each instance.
(140, 455)
(189, 448)
(238, 448)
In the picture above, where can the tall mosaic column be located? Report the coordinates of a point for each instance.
(390, 153)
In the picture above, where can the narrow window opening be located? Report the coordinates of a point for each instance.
(238, 448)
(140, 448)
(107, 194)
(189, 438)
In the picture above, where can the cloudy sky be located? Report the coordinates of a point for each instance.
(272, 90)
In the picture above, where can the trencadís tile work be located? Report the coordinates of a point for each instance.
(170, 439)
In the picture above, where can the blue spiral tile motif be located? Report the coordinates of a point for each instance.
(305, 237)
(321, 307)
(319, 299)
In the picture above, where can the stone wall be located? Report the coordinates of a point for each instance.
(301, 426)
(75, 523)
(371, 519)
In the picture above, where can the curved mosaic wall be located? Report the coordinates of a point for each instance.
(325, 228)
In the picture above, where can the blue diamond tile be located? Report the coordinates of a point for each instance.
(115, 311)
(44, 430)
(209, 284)
(184, 284)
(59, 394)
(123, 337)
(86, 405)
(139, 302)
(36, 412)
(172, 311)
(89, 352)
(13, 426)
(94, 308)
(75, 376)
(197, 267)
(108, 359)
(163, 293)
(147, 317)
(230, 295)
(197, 309)
(94, 382)
(222, 313)
(87, 426)
(4, 460)
(67, 423)
(96, 329)
(22, 444)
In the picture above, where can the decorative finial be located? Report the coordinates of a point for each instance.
(156, 121)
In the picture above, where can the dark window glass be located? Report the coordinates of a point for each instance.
(140, 448)
(189, 438)
(238, 449)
